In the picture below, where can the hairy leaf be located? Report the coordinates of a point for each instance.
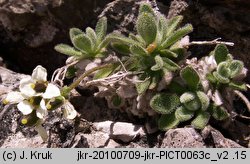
(138, 50)
(177, 35)
(167, 53)
(236, 67)
(220, 78)
(223, 70)
(142, 87)
(104, 72)
(187, 97)
(83, 43)
(74, 32)
(120, 48)
(183, 114)
(101, 29)
(191, 77)
(172, 24)
(165, 103)
(170, 65)
(146, 27)
(91, 34)
(168, 121)
(68, 50)
(238, 86)
(220, 53)
(158, 63)
(146, 7)
(219, 113)
(201, 120)
(204, 100)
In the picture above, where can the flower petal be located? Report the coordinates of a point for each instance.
(14, 97)
(51, 91)
(39, 74)
(69, 111)
(25, 107)
(25, 87)
(41, 112)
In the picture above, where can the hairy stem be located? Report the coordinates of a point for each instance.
(87, 73)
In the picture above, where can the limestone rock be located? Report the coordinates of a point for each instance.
(125, 132)
(182, 138)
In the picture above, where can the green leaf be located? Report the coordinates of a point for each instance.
(220, 78)
(101, 29)
(190, 101)
(219, 113)
(104, 72)
(238, 86)
(167, 122)
(68, 50)
(183, 114)
(220, 53)
(120, 39)
(116, 100)
(201, 120)
(162, 28)
(121, 48)
(236, 67)
(138, 50)
(91, 34)
(104, 43)
(146, 27)
(74, 32)
(177, 35)
(204, 100)
(167, 53)
(83, 43)
(142, 87)
(165, 103)
(155, 80)
(145, 7)
(71, 72)
(138, 39)
(176, 87)
(172, 24)
(191, 77)
(170, 65)
(187, 97)
(211, 78)
(223, 70)
(158, 63)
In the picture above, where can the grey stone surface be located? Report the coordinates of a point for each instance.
(182, 138)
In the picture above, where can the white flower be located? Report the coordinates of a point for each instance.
(51, 91)
(69, 111)
(39, 95)
(33, 93)
(35, 84)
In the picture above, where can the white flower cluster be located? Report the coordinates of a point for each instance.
(37, 94)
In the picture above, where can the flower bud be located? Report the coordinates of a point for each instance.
(55, 103)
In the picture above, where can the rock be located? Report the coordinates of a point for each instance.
(33, 28)
(122, 14)
(125, 132)
(93, 140)
(18, 140)
(219, 140)
(182, 138)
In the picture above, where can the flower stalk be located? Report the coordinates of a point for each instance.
(85, 74)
